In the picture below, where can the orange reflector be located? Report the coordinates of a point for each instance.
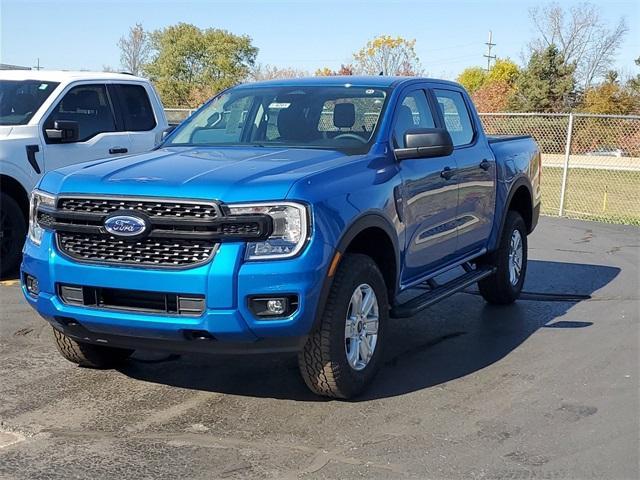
(334, 264)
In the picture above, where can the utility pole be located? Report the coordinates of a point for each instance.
(488, 55)
(37, 66)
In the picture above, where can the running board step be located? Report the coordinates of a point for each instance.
(416, 304)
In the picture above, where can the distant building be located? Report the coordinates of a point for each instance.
(6, 66)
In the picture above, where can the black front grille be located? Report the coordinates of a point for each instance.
(147, 251)
(132, 300)
(152, 208)
(178, 233)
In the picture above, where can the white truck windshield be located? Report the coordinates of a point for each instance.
(20, 99)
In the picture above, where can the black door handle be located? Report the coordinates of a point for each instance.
(485, 165)
(447, 173)
(115, 150)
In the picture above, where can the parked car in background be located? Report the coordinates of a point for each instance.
(291, 215)
(607, 152)
(52, 119)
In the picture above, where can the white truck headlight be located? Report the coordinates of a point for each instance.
(38, 198)
(290, 229)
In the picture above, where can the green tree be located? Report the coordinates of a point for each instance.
(472, 78)
(546, 85)
(634, 82)
(191, 64)
(388, 56)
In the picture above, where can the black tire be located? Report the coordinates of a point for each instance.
(89, 355)
(323, 361)
(13, 226)
(498, 288)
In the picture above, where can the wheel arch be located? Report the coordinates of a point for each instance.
(520, 199)
(15, 190)
(357, 238)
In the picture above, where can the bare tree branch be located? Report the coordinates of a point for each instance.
(582, 37)
(270, 72)
(134, 49)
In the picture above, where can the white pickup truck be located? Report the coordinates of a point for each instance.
(51, 119)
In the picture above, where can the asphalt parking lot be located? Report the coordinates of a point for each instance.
(546, 388)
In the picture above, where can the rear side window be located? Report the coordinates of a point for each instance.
(456, 116)
(89, 106)
(136, 108)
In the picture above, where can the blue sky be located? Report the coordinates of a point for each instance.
(303, 34)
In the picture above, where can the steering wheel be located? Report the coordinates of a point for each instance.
(350, 135)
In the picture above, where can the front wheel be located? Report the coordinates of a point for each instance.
(13, 231)
(510, 261)
(341, 357)
(88, 354)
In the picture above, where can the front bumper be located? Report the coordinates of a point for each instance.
(226, 282)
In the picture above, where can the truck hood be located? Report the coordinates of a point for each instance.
(230, 174)
(5, 130)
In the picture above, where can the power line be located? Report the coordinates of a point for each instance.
(488, 55)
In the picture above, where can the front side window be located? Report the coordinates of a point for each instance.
(456, 116)
(20, 99)
(340, 118)
(136, 108)
(89, 106)
(413, 112)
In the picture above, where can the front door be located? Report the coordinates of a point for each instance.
(476, 173)
(429, 195)
(99, 137)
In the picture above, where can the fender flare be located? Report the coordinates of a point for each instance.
(521, 181)
(362, 222)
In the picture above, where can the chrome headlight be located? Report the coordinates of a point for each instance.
(290, 229)
(38, 198)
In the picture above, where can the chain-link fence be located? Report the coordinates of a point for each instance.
(177, 115)
(591, 163)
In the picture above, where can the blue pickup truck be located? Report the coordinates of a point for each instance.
(285, 216)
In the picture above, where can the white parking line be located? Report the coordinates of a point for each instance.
(10, 438)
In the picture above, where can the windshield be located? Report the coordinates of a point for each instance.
(337, 118)
(20, 99)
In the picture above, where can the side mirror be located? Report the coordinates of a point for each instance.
(424, 143)
(167, 131)
(63, 131)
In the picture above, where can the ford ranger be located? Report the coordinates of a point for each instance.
(51, 119)
(285, 216)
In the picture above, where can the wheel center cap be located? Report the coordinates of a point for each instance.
(359, 326)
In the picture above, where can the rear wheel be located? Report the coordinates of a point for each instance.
(88, 354)
(510, 261)
(341, 357)
(13, 231)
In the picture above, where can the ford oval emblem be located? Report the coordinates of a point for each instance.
(125, 225)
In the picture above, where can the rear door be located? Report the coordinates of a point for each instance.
(100, 136)
(476, 171)
(136, 114)
(429, 197)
